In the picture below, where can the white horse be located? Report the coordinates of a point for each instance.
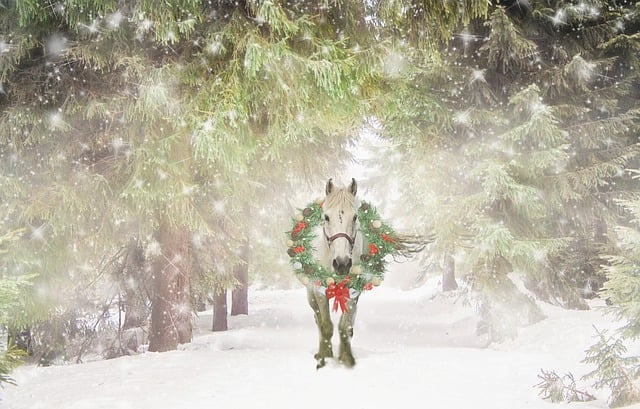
(338, 247)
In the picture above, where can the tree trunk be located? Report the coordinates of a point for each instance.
(171, 310)
(449, 273)
(220, 309)
(240, 294)
(135, 307)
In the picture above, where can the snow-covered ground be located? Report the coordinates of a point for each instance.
(413, 349)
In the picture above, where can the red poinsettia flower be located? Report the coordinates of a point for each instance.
(373, 249)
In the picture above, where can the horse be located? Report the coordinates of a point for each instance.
(338, 246)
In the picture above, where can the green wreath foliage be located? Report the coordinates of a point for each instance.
(380, 241)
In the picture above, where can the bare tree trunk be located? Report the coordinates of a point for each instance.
(171, 309)
(220, 309)
(449, 273)
(240, 294)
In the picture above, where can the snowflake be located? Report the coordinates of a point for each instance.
(55, 120)
(92, 28)
(215, 47)
(187, 190)
(183, 309)
(537, 107)
(540, 255)
(154, 248)
(466, 37)
(55, 45)
(394, 64)
(462, 117)
(219, 206)
(58, 8)
(478, 75)
(139, 183)
(115, 19)
(560, 18)
(37, 233)
(145, 24)
(117, 144)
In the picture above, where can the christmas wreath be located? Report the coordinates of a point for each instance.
(380, 241)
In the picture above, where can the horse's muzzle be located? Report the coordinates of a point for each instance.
(342, 265)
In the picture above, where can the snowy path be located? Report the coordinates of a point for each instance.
(412, 351)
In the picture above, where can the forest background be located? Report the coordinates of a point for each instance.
(152, 153)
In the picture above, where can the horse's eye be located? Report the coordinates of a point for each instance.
(326, 218)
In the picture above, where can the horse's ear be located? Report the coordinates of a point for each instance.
(329, 187)
(353, 188)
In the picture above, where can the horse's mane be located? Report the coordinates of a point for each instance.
(340, 197)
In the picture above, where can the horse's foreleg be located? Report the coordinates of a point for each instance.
(320, 306)
(345, 328)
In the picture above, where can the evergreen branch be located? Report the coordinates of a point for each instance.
(561, 389)
(9, 359)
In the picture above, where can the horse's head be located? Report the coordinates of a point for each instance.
(340, 224)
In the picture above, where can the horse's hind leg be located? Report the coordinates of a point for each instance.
(320, 306)
(345, 328)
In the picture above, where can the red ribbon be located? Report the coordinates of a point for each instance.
(341, 294)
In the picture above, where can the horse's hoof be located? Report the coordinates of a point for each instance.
(348, 361)
(321, 363)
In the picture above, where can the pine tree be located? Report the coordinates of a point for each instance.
(163, 123)
(12, 290)
(614, 370)
(623, 270)
(516, 149)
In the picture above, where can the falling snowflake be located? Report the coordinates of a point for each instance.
(37, 233)
(394, 64)
(115, 19)
(560, 18)
(55, 45)
(478, 75)
(215, 47)
(55, 120)
(153, 248)
(462, 117)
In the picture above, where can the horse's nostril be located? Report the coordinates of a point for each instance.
(342, 265)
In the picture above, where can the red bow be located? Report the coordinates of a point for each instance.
(341, 294)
